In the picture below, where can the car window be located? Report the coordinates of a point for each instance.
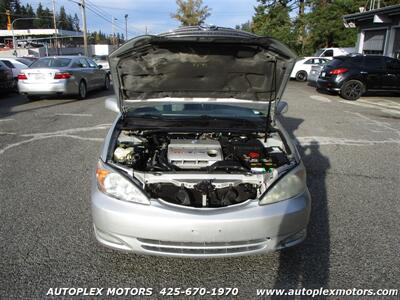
(92, 64)
(100, 57)
(392, 64)
(319, 61)
(309, 62)
(23, 61)
(374, 62)
(327, 53)
(335, 63)
(8, 64)
(83, 63)
(51, 62)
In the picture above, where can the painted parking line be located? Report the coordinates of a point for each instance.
(370, 105)
(382, 103)
(67, 133)
(324, 140)
(378, 124)
(74, 115)
(6, 120)
(320, 98)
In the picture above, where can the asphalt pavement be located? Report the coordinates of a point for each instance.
(48, 150)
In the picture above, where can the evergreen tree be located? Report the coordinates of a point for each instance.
(191, 12)
(272, 19)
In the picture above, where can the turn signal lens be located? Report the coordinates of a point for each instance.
(101, 175)
(22, 76)
(338, 71)
(62, 76)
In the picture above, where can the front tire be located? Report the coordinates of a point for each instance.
(107, 83)
(32, 98)
(352, 90)
(301, 76)
(82, 90)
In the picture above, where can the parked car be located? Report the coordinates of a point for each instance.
(6, 78)
(303, 66)
(331, 52)
(62, 75)
(352, 76)
(314, 73)
(102, 60)
(196, 164)
(16, 65)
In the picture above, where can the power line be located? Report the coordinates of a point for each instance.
(107, 20)
(118, 24)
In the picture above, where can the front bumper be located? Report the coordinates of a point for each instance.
(164, 229)
(60, 87)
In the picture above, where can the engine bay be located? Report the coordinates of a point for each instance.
(201, 169)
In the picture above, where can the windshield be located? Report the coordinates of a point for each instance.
(100, 57)
(196, 110)
(319, 52)
(51, 62)
(23, 61)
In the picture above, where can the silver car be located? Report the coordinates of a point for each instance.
(62, 75)
(196, 163)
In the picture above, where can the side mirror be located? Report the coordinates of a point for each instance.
(111, 104)
(100, 66)
(282, 108)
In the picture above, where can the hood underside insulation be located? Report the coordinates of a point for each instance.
(200, 70)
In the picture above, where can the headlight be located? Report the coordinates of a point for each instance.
(117, 186)
(289, 186)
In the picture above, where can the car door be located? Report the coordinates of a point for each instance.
(97, 72)
(87, 73)
(391, 80)
(373, 70)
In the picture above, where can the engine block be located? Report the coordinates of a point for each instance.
(194, 154)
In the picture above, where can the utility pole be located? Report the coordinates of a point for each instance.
(126, 27)
(8, 20)
(55, 25)
(113, 31)
(85, 40)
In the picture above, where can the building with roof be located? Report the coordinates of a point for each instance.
(378, 30)
(24, 36)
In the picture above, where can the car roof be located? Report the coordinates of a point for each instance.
(65, 56)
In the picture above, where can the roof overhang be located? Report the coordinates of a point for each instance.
(377, 16)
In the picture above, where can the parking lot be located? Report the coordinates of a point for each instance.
(48, 150)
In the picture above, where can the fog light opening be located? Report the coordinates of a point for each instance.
(294, 239)
(107, 237)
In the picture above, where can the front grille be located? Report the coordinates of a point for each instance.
(205, 248)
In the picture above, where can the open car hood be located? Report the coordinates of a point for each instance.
(197, 65)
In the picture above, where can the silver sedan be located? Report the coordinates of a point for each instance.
(196, 163)
(62, 75)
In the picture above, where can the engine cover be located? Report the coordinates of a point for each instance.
(194, 154)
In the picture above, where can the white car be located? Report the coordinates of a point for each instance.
(303, 66)
(16, 65)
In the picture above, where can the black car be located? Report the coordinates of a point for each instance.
(354, 75)
(6, 78)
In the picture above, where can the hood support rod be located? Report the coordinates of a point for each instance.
(271, 98)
